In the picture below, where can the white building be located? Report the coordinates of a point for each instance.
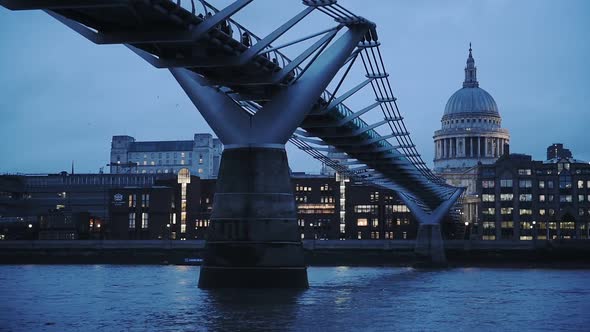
(471, 133)
(201, 156)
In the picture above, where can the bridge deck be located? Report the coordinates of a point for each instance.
(167, 35)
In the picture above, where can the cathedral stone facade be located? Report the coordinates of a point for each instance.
(471, 133)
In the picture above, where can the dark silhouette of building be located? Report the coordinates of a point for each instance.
(557, 151)
(178, 206)
(525, 199)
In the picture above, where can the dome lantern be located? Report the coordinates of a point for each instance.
(470, 72)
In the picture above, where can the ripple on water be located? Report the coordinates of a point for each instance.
(166, 298)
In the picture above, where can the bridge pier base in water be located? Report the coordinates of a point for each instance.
(253, 239)
(430, 249)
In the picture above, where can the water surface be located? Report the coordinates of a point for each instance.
(166, 298)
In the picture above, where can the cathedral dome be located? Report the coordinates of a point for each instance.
(471, 128)
(472, 100)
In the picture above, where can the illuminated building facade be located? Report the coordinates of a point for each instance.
(201, 156)
(525, 199)
(471, 133)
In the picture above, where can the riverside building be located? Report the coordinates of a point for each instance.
(201, 156)
(178, 207)
(526, 199)
(471, 133)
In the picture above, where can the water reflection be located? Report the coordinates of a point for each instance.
(166, 298)
(251, 309)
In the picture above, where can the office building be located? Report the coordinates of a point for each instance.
(201, 156)
(525, 199)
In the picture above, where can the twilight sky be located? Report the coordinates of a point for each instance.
(62, 97)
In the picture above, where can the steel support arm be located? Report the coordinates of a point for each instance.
(435, 216)
(279, 118)
(229, 122)
(251, 52)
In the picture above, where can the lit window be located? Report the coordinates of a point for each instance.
(506, 197)
(526, 212)
(507, 224)
(525, 183)
(366, 209)
(144, 220)
(525, 197)
(489, 225)
(524, 171)
(489, 211)
(488, 184)
(132, 220)
(362, 222)
(132, 200)
(200, 170)
(488, 197)
(506, 183)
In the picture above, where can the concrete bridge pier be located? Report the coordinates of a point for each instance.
(253, 238)
(429, 248)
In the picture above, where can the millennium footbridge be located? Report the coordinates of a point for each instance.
(256, 99)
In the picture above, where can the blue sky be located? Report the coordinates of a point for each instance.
(62, 97)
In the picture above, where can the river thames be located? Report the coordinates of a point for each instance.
(166, 298)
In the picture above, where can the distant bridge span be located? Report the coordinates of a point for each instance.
(256, 99)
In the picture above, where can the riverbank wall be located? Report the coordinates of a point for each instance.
(554, 254)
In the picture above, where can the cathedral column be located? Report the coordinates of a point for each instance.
(478, 147)
(493, 147)
(438, 150)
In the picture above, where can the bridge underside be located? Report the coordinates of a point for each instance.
(245, 88)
